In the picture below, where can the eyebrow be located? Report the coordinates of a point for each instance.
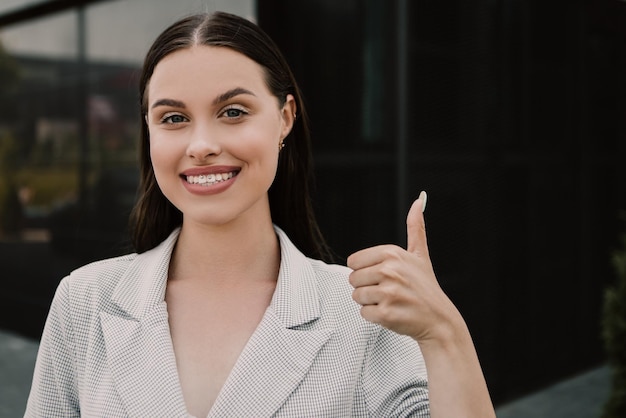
(230, 94)
(168, 102)
(219, 99)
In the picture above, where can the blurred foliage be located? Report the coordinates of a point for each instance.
(46, 181)
(614, 334)
(51, 152)
(49, 186)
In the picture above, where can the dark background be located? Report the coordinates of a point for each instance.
(510, 113)
(515, 124)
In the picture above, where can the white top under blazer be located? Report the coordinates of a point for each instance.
(106, 349)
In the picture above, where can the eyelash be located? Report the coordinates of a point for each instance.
(167, 118)
(241, 112)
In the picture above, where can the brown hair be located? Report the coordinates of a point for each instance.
(153, 218)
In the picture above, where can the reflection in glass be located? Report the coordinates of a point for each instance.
(69, 125)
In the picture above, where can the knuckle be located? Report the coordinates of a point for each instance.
(352, 279)
(392, 252)
(391, 293)
(393, 317)
(386, 314)
(388, 270)
(350, 261)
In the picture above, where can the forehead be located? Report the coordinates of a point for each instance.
(206, 69)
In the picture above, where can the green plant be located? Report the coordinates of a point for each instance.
(614, 334)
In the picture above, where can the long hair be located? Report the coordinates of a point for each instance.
(154, 217)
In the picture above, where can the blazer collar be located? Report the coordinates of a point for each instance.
(143, 285)
(278, 355)
(295, 300)
(140, 354)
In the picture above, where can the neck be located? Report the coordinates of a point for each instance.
(234, 252)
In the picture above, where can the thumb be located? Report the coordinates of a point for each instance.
(416, 227)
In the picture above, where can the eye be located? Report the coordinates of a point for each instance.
(234, 113)
(172, 119)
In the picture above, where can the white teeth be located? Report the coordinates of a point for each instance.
(209, 179)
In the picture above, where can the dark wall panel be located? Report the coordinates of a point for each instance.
(516, 129)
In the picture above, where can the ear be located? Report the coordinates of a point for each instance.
(288, 114)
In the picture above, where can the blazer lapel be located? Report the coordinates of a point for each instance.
(278, 355)
(137, 338)
(283, 347)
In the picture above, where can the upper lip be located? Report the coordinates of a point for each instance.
(214, 169)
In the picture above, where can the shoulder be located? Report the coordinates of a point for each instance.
(335, 297)
(334, 276)
(102, 274)
(330, 269)
(314, 281)
(132, 274)
(331, 279)
(89, 288)
(80, 296)
(106, 266)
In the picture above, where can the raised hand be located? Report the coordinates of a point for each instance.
(398, 289)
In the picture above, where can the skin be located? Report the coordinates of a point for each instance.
(398, 289)
(211, 320)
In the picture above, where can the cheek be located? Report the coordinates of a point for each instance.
(156, 154)
(157, 166)
(255, 144)
(164, 147)
(162, 155)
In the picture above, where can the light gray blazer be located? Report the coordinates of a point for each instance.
(106, 350)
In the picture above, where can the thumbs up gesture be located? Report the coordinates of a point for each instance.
(398, 289)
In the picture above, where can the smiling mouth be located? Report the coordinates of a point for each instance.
(210, 179)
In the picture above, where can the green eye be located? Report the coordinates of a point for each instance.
(173, 119)
(233, 113)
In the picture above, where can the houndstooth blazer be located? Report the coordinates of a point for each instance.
(106, 350)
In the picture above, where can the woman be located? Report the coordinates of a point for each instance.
(219, 313)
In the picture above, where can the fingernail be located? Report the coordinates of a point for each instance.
(424, 197)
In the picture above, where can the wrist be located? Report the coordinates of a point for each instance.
(446, 335)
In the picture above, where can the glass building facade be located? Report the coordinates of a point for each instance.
(510, 113)
(68, 136)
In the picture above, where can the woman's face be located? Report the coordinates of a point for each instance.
(215, 130)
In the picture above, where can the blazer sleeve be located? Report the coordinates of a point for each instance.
(394, 377)
(54, 389)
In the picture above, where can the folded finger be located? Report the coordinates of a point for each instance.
(366, 295)
(364, 277)
(372, 256)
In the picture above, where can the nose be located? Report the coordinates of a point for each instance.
(203, 144)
